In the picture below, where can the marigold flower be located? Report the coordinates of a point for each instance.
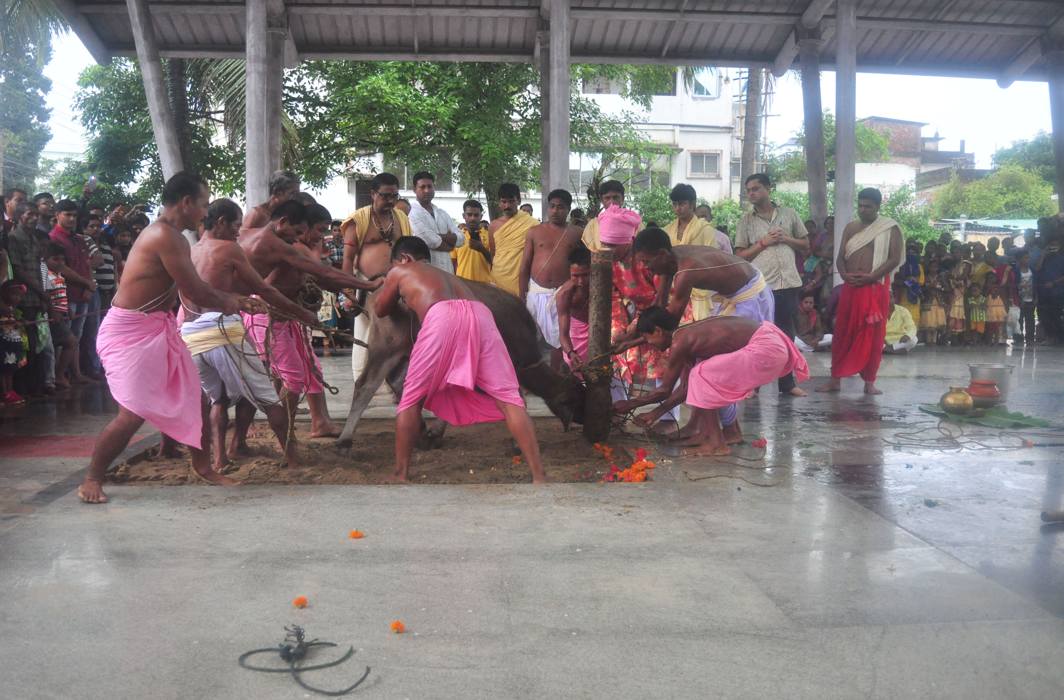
(640, 454)
(760, 442)
(398, 627)
(517, 459)
(300, 601)
(356, 534)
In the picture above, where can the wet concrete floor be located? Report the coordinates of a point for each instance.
(856, 556)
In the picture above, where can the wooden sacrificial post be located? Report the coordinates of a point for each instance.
(598, 409)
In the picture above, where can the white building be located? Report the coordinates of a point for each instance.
(700, 127)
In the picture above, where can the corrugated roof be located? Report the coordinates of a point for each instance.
(940, 37)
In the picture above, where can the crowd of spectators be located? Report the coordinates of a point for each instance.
(60, 264)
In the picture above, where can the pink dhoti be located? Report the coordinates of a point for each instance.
(460, 366)
(150, 371)
(291, 359)
(579, 335)
(726, 379)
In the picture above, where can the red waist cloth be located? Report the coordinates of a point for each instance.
(860, 329)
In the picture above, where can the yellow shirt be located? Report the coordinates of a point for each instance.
(900, 323)
(509, 248)
(471, 264)
(591, 234)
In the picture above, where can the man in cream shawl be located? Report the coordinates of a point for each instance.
(870, 252)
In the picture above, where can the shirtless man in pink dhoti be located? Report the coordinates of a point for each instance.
(271, 252)
(545, 267)
(149, 369)
(713, 364)
(573, 298)
(284, 185)
(459, 367)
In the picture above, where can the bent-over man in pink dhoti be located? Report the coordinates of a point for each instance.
(714, 364)
(149, 369)
(459, 368)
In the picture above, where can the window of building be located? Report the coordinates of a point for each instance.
(703, 164)
(439, 166)
(706, 84)
(736, 169)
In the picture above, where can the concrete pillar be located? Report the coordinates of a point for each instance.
(1055, 61)
(151, 69)
(816, 167)
(846, 116)
(277, 36)
(558, 105)
(543, 63)
(257, 138)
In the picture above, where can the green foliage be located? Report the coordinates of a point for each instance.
(418, 113)
(1009, 193)
(637, 83)
(23, 116)
(726, 215)
(1035, 155)
(913, 219)
(121, 151)
(653, 204)
(789, 165)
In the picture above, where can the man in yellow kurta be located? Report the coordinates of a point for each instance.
(369, 233)
(689, 229)
(472, 259)
(507, 239)
(610, 192)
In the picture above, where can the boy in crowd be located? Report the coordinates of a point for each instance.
(901, 329)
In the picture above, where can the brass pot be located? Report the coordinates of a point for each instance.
(957, 401)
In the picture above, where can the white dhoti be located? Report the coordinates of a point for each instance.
(359, 354)
(543, 306)
(228, 364)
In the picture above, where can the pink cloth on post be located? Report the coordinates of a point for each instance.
(291, 359)
(460, 366)
(726, 379)
(617, 226)
(150, 371)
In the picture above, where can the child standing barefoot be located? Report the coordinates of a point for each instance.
(995, 317)
(957, 317)
(976, 314)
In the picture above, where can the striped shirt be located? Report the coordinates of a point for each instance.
(104, 274)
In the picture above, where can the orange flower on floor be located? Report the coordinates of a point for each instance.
(760, 442)
(300, 601)
(398, 627)
(517, 459)
(356, 534)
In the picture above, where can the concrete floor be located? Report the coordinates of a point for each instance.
(857, 569)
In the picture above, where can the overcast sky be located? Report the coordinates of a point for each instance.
(978, 111)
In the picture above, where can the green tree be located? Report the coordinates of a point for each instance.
(1009, 193)
(121, 149)
(24, 128)
(1035, 155)
(654, 205)
(482, 118)
(913, 219)
(789, 165)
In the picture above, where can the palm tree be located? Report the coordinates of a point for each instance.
(29, 25)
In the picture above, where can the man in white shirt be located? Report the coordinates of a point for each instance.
(432, 224)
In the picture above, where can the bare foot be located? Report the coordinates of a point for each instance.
(830, 388)
(291, 457)
(733, 434)
(871, 390)
(326, 430)
(665, 427)
(796, 392)
(708, 450)
(91, 491)
(214, 478)
(395, 478)
(540, 480)
(235, 451)
(61, 385)
(685, 441)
